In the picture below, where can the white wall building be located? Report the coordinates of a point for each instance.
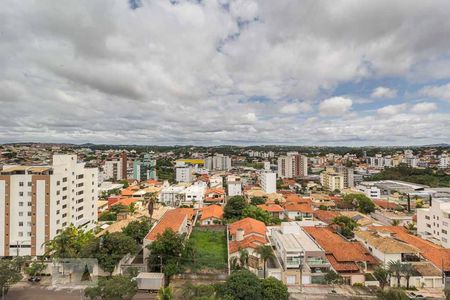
(36, 203)
(113, 169)
(268, 182)
(443, 161)
(183, 173)
(372, 192)
(292, 165)
(433, 223)
(218, 162)
(234, 184)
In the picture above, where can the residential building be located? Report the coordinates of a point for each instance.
(275, 210)
(37, 202)
(372, 192)
(216, 181)
(145, 169)
(268, 182)
(218, 162)
(234, 184)
(433, 223)
(348, 175)
(172, 195)
(183, 172)
(298, 211)
(294, 249)
(215, 196)
(331, 180)
(292, 165)
(194, 194)
(113, 170)
(443, 161)
(211, 215)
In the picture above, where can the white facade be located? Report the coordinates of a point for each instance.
(37, 202)
(433, 223)
(216, 182)
(234, 185)
(443, 161)
(332, 181)
(183, 174)
(268, 182)
(292, 165)
(113, 169)
(218, 162)
(195, 194)
(285, 167)
(370, 191)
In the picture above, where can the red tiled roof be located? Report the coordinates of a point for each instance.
(436, 254)
(385, 204)
(271, 207)
(252, 241)
(126, 201)
(212, 211)
(249, 226)
(304, 208)
(325, 215)
(172, 219)
(219, 191)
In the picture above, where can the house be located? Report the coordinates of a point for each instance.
(211, 215)
(385, 204)
(325, 216)
(295, 211)
(275, 210)
(387, 217)
(350, 259)
(179, 220)
(215, 196)
(295, 248)
(247, 234)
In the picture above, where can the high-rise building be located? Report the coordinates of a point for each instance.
(348, 174)
(218, 162)
(37, 202)
(443, 161)
(268, 182)
(124, 160)
(113, 170)
(183, 172)
(331, 180)
(145, 169)
(292, 165)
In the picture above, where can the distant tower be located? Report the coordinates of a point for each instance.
(124, 165)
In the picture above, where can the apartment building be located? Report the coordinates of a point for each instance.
(292, 165)
(268, 182)
(145, 169)
(234, 184)
(348, 174)
(218, 162)
(183, 173)
(113, 170)
(37, 202)
(443, 161)
(433, 223)
(331, 180)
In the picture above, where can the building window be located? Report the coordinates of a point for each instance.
(20, 213)
(427, 217)
(20, 233)
(20, 203)
(30, 183)
(21, 194)
(444, 231)
(20, 224)
(29, 213)
(21, 183)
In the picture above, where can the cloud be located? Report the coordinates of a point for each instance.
(295, 108)
(424, 107)
(335, 106)
(441, 92)
(391, 110)
(383, 92)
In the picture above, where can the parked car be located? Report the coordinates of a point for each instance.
(34, 279)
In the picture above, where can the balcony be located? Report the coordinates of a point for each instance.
(317, 262)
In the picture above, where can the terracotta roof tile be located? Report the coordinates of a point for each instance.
(249, 225)
(271, 207)
(212, 211)
(172, 219)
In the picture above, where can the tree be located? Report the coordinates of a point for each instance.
(396, 268)
(392, 294)
(35, 268)
(333, 278)
(241, 285)
(361, 202)
(167, 249)
(407, 271)
(265, 252)
(395, 222)
(69, 243)
(9, 274)
(382, 275)
(111, 248)
(256, 213)
(243, 258)
(410, 227)
(201, 291)
(165, 293)
(112, 288)
(234, 207)
(274, 289)
(138, 229)
(346, 225)
(258, 200)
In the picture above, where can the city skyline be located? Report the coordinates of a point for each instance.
(225, 72)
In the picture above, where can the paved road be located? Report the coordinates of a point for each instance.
(40, 293)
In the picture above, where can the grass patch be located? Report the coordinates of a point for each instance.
(210, 250)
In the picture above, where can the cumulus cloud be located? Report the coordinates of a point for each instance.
(441, 92)
(424, 107)
(383, 92)
(391, 110)
(335, 106)
(175, 73)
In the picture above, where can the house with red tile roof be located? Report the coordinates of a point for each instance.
(350, 259)
(179, 220)
(214, 196)
(325, 216)
(296, 211)
(126, 201)
(384, 204)
(247, 234)
(211, 215)
(275, 210)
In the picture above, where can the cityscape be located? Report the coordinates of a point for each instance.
(224, 150)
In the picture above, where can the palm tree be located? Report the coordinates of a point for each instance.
(410, 227)
(408, 271)
(396, 268)
(265, 252)
(243, 258)
(382, 275)
(165, 293)
(395, 222)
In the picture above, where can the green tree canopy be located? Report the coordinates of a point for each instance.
(234, 207)
(112, 288)
(258, 200)
(256, 213)
(274, 289)
(69, 243)
(138, 229)
(392, 294)
(361, 202)
(242, 285)
(346, 225)
(9, 274)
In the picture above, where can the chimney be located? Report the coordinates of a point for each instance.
(239, 234)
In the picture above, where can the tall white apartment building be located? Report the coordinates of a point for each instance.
(292, 165)
(331, 180)
(218, 162)
(113, 169)
(234, 184)
(37, 202)
(433, 223)
(443, 161)
(268, 182)
(183, 173)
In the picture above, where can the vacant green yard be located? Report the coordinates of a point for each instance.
(210, 250)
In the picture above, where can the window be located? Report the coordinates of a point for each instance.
(21, 194)
(21, 183)
(58, 182)
(30, 183)
(20, 203)
(444, 231)
(20, 233)
(29, 194)
(58, 192)
(20, 224)
(30, 204)
(64, 179)
(29, 213)
(444, 240)
(28, 233)
(445, 224)
(20, 213)
(427, 217)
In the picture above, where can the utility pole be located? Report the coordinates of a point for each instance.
(300, 266)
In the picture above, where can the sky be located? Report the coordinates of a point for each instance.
(243, 72)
